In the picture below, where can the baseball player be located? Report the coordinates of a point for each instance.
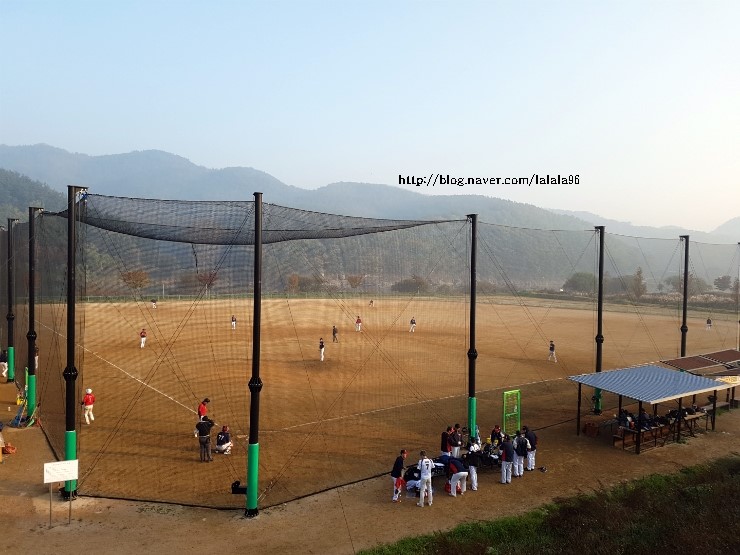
(88, 401)
(425, 465)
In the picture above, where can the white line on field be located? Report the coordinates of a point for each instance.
(127, 373)
(355, 415)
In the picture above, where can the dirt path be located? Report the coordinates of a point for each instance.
(343, 520)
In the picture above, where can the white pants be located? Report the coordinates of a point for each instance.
(473, 472)
(4, 366)
(425, 486)
(518, 465)
(456, 452)
(530, 459)
(552, 357)
(322, 354)
(506, 472)
(413, 327)
(358, 327)
(396, 492)
(225, 448)
(233, 325)
(89, 414)
(143, 342)
(458, 478)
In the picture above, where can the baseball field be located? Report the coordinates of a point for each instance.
(322, 424)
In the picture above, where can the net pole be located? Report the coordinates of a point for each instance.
(472, 352)
(599, 318)
(31, 335)
(11, 302)
(255, 382)
(684, 327)
(70, 371)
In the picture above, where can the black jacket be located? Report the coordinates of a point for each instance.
(204, 428)
(397, 471)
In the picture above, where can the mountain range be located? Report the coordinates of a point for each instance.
(158, 174)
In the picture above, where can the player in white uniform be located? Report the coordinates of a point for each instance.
(425, 466)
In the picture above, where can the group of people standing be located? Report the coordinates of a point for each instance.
(203, 433)
(513, 452)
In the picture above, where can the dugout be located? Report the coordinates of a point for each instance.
(720, 365)
(649, 384)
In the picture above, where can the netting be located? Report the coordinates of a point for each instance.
(343, 419)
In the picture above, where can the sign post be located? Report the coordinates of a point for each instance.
(61, 471)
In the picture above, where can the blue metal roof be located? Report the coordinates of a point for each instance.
(650, 384)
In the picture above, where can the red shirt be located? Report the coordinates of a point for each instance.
(88, 399)
(202, 409)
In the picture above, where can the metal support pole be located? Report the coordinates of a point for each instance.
(11, 301)
(578, 413)
(70, 371)
(472, 352)
(638, 443)
(599, 318)
(255, 382)
(684, 327)
(31, 335)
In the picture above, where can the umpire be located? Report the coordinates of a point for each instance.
(204, 438)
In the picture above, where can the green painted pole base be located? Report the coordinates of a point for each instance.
(70, 454)
(597, 401)
(11, 364)
(253, 456)
(472, 417)
(31, 395)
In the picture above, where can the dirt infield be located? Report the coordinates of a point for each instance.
(322, 424)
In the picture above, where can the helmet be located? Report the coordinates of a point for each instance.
(88, 390)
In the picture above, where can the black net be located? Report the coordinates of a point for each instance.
(182, 270)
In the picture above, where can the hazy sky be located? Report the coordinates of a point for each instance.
(640, 99)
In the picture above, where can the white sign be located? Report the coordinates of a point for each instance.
(60, 471)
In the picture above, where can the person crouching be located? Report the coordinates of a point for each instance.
(223, 441)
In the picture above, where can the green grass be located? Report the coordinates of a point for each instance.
(696, 510)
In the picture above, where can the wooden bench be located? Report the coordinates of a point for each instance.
(628, 436)
(690, 421)
(720, 405)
